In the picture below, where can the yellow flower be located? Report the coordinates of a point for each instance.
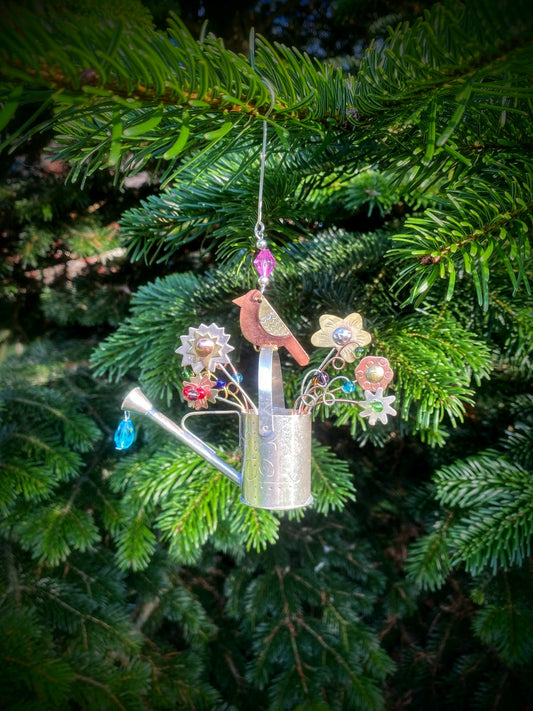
(345, 334)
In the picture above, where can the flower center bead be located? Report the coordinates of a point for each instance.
(377, 406)
(375, 373)
(204, 347)
(341, 336)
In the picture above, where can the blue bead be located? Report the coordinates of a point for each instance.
(238, 377)
(220, 384)
(125, 434)
(348, 386)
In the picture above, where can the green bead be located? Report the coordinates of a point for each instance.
(377, 406)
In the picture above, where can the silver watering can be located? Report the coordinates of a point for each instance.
(275, 441)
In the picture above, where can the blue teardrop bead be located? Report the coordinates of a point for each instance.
(125, 434)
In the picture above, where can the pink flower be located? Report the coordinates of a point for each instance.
(373, 373)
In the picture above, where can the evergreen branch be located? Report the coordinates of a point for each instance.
(428, 565)
(220, 209)
(78, 429)
(41, 590)
(104, 687)
(153, 87)
(447, 49)
(180, 604)
(63, 529)
(33, 480)
(257, 529)
(364, 691)
(477, 222)
(166, 302)
(435, 361)
(119, 61)
(490, 525)
(152, 94)
(289, 620)
(507, 628)
(497, 530)
(136, 543)
(332, 480)
(300, 617)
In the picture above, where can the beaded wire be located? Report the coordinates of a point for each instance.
(264, 261)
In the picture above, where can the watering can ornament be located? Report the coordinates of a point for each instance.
(275, 439)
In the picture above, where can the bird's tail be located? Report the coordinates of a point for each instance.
(297, 352)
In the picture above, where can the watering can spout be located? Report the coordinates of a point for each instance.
(136, 401)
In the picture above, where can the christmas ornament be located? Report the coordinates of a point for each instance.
(275, 439)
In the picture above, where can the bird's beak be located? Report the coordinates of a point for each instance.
(239, 301)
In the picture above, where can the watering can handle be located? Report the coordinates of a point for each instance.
(270, 387)
(197, 414)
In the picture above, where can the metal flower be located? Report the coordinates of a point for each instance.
(345, 334)
(203, 347)
(373, 373)
(376, 407)
(198, 391)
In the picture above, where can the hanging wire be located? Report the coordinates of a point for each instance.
(264, 261)
(259, 226)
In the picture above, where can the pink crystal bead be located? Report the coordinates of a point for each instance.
(265, 263)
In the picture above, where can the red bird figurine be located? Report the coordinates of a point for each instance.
(262, 326)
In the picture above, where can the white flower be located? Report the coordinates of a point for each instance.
(376, 407)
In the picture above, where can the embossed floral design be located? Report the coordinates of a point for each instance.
(198, 391)
(376, 407)
(204, 347)
(373, 373)
(345, 334)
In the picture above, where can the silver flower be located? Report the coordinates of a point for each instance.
(203, 347)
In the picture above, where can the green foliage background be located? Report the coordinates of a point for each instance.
(398, 184)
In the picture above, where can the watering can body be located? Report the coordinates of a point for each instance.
(275, 442)
(276, 471)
